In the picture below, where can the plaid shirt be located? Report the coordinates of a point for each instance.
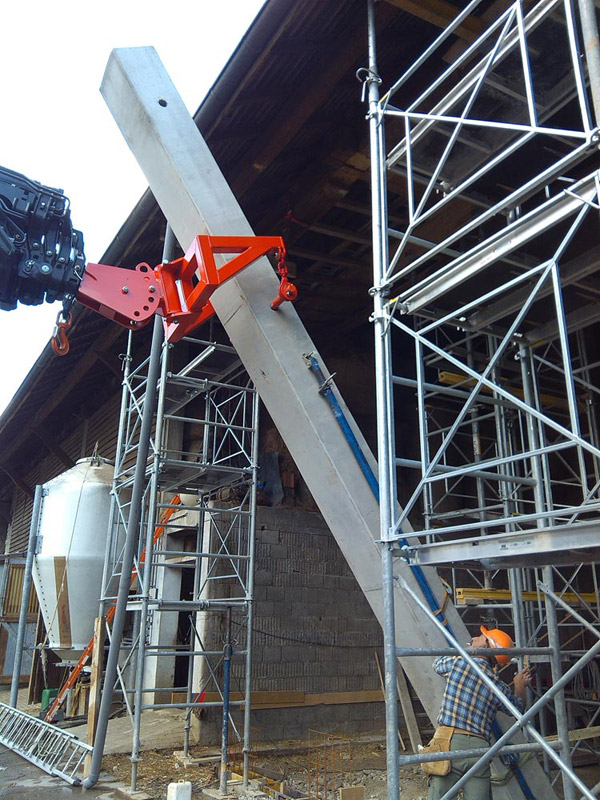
(468, 703)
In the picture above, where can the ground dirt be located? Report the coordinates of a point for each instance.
(157, 769)
(345, 763)
(290, 766)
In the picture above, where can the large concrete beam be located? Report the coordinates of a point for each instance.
(195, 198)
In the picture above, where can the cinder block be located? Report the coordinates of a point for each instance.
(179, 791)
(271, 654)
(296, 653)
(267, 607)
(263, 578)
(291, 579)
(287, 538)
(316, 581)
(295, 596)
(279, 551)
(332, 608)
(307, 594)
(268, 624)
(300, 609)
(347, 583)
(331, 582)
(260, 593)
(276, 593)
(262, 551)
(305, 591)
(268, 536)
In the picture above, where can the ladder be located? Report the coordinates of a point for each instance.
(52, 749)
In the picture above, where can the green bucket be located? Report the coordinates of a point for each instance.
(48, 696)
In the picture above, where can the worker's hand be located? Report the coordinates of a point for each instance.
(521, 681)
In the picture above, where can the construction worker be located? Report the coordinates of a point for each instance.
(470, 707)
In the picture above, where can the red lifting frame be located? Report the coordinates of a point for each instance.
(180, 290)
(188, 283)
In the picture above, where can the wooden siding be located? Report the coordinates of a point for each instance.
(14, 590)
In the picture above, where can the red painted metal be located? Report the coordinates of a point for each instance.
(287, 290)
(60, 340)
(188, 283)
(180, 290)
(129, 296)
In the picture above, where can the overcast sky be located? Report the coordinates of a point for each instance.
(56, 128)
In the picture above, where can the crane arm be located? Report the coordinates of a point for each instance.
(42, 258)
(41, 254)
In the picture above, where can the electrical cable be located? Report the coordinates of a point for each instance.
(310, 643)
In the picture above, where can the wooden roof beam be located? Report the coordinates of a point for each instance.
(441, 14)
(53, 402)
(488, 16)
(18, 481)
(53, 446)
(77, 374)
(111, 362)
(297, 108)
(340, 233)
(261, 57)
(326, 258)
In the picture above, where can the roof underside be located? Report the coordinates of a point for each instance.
(287, 126)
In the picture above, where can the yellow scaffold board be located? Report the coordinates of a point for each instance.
(464, 595)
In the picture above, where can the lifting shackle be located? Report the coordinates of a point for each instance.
(287, 290)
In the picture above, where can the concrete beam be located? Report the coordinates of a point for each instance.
(195, 198)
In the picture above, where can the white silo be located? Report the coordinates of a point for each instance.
(67, 570)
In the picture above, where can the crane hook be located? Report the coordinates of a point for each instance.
(60, 341)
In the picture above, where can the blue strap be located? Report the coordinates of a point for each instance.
(497, 731)
(327, 392)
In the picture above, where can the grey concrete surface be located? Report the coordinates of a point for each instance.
(160, 730)
(21, 780)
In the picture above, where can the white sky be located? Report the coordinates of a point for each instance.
(56, 128)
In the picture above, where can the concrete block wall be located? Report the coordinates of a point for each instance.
(360, 719)
(314, 632)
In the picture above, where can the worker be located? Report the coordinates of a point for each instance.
(470, 707)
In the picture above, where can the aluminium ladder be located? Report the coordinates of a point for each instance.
(52, 749)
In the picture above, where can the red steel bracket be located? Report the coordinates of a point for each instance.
(188, 283)
(180, 290)
(129, 296)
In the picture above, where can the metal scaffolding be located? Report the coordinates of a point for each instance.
(490, 157)
(187, 635)
(271, 345)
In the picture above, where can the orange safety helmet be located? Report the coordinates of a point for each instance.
(498, 638)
